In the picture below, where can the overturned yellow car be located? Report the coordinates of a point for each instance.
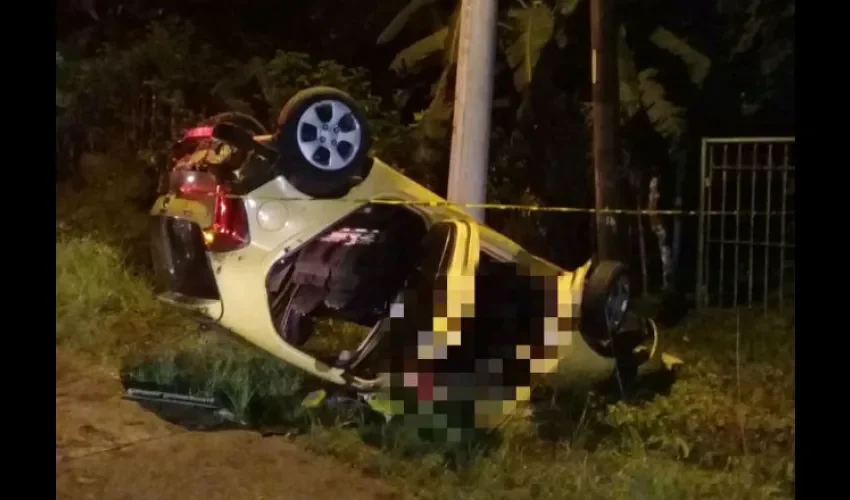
(265, 233)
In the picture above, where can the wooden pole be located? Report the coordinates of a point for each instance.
(604, 29)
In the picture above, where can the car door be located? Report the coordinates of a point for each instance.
(445, 292)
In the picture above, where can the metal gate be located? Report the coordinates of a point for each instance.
(745, 253)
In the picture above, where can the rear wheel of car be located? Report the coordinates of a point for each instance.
(323, 139)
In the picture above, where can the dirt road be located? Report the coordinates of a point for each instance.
(108, 448)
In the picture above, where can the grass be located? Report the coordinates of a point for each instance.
(104, 305)
(725, 430)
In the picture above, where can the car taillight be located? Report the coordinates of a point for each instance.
(198, 132)
(229, 230)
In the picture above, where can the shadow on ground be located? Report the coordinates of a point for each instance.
(200, 392)
(260, 394)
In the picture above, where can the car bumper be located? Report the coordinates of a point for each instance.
(182, 270)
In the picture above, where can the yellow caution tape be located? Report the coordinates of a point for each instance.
(528, 208)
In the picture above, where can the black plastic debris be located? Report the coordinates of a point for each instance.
(193, 412)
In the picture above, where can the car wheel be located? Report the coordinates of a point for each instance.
(323, 140)
(605, 300)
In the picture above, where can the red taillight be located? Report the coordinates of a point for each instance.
(229, 230)
(195, 184)
(198, 132)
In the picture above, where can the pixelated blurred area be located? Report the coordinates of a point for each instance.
(474, 371)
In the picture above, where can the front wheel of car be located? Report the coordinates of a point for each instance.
(323, 139)
(605, 300)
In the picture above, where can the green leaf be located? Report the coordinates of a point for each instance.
(401, 19)
(667, 118)
(750, 29)
(435, 124)
(698, 64)
(628, 74)
(385, 406)
(410, 60)
(566, 7)
(314, 399)
(532, 27)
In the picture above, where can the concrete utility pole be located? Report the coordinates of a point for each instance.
(604, 38)
(473, 104)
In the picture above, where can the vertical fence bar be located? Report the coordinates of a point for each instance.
(754, 180)
(737, 243)
(698, 293)
(782, 234)
(706, 247)
(767, 219)
(723, 178)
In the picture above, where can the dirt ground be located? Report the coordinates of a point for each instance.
(109, 448)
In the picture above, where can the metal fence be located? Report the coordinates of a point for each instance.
(745, 257)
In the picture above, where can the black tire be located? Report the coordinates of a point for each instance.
(242, 120)
(299, 170)
(601, 282)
